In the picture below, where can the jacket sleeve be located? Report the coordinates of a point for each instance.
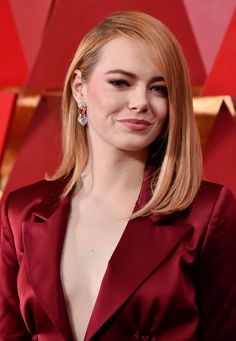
(217, 274)
(12, 327)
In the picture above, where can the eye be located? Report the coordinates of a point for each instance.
(119, 83)
(162, 89)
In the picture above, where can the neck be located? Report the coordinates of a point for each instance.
(113, 170)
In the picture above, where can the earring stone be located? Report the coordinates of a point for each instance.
(82, 118)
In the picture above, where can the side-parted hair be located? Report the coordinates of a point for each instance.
(177, 153)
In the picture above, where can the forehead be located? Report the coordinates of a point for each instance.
(126, 54)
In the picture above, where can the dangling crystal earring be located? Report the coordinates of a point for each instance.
(82, 118)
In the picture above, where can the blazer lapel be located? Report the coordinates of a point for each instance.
(43, 242)
(142, 248)
(144, 245)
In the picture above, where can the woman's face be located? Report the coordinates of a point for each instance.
(126, 97)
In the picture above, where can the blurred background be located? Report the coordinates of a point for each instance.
(38, 39)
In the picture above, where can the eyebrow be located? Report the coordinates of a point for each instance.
(132, 75)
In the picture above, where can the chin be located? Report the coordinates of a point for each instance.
(133, 148)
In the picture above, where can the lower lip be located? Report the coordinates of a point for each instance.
(136, 126)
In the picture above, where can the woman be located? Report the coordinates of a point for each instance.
(126, 242)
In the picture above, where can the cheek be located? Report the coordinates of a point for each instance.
(95, 96)
(165, 108)
(162, 111)
(97, 100)
(101, 99)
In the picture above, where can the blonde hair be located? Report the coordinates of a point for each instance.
(178, 158)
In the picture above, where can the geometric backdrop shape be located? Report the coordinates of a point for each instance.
(40, 153)
(7, 101)
(222, 78)
(71, 20)
(30, 19)
(13, 66)
(209, 20)
(220, 152)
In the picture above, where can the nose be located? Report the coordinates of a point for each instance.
(138, 100)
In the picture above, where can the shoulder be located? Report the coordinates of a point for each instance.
(216, 281)
(214, 208)
(223, 212)
(213, 202)
(209, 190)
(31, 191)
(213, 194)
(22, 201)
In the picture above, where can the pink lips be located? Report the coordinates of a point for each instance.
(135, 124)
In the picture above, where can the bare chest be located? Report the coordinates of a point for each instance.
(90, 240)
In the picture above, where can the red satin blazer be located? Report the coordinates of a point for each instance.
(169, 279)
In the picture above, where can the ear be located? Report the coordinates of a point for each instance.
(77, 86)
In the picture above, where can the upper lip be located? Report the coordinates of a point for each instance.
(135, 121)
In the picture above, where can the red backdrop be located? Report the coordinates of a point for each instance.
(38, 40)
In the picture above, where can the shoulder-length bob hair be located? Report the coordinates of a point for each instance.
(177, 154)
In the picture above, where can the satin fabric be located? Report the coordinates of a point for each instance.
(169, 279)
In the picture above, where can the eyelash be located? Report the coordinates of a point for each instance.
(160, 89)
(121, 83)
